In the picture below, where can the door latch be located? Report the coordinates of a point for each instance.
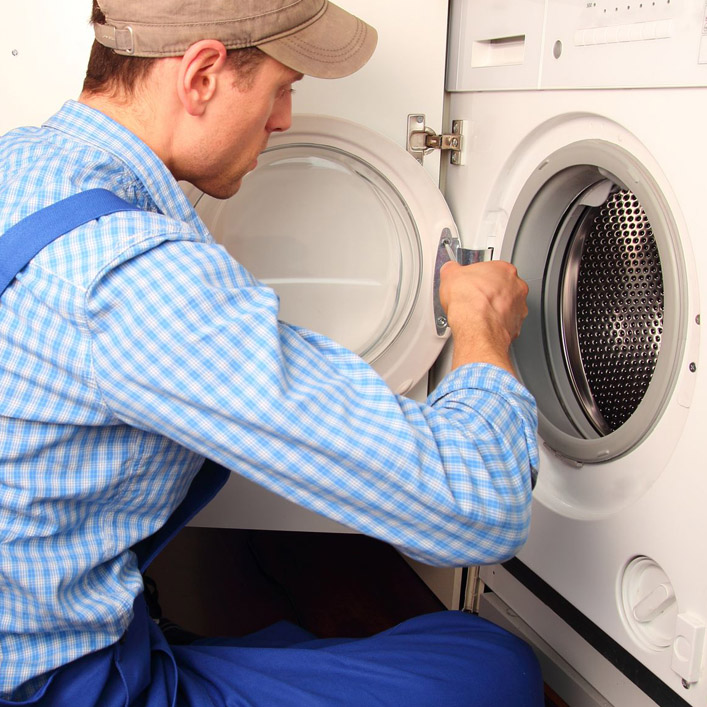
(422, 140)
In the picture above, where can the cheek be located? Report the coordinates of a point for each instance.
(252, 125)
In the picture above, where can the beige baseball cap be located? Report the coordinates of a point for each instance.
(314, 37)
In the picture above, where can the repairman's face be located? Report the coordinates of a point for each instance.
(242, 118)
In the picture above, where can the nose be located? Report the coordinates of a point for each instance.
(281, 116)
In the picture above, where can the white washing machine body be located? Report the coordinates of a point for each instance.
(586, 135)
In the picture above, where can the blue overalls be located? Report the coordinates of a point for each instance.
(446, 658)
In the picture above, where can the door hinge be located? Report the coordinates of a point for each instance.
(422, 140)
(472, 589)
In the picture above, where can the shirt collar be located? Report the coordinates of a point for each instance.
(161, 191)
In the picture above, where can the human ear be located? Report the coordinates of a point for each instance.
(198, 74)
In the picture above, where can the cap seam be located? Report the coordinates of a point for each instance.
(346, 50)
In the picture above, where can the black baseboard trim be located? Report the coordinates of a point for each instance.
(632, 668)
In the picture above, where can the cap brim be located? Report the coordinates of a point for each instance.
(335, 45)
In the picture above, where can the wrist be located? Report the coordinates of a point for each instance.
(484, 340)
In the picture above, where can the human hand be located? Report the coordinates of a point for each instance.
(485, 305)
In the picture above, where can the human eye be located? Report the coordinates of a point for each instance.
(286, 88)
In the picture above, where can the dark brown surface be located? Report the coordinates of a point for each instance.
(230, 582)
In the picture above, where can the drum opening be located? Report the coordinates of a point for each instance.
(601, 346)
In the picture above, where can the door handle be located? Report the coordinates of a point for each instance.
(449, 248)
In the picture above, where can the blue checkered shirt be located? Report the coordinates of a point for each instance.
(133, 347)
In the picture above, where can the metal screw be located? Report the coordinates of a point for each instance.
(697, 319)
(693, 368)
(420, 119)
(441, 322)
(685, 684)
(15, 52)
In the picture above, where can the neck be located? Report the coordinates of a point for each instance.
(147, 115)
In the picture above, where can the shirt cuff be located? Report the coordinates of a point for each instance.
(485, 379)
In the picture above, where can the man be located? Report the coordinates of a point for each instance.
(134, 347)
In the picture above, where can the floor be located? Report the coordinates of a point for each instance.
(213, 581)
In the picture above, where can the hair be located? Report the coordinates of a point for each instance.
(115, 74)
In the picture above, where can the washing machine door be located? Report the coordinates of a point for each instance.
(346, 227)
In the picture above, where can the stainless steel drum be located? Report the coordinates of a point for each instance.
(612, 310)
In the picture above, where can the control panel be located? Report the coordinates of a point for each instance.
(563, 44)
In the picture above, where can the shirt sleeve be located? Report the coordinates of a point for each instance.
(187, 344)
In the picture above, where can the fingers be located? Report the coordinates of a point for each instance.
(473, 294)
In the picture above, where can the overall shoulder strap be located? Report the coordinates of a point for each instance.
(25, 239)
(18, 246)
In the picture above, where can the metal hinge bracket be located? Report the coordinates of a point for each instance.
(473, 588)
(422, 140)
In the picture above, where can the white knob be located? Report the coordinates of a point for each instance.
(653, 605)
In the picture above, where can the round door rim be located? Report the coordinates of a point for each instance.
(411, 353)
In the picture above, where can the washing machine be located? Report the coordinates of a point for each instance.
(585, 169)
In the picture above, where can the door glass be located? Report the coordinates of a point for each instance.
(332, 236)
